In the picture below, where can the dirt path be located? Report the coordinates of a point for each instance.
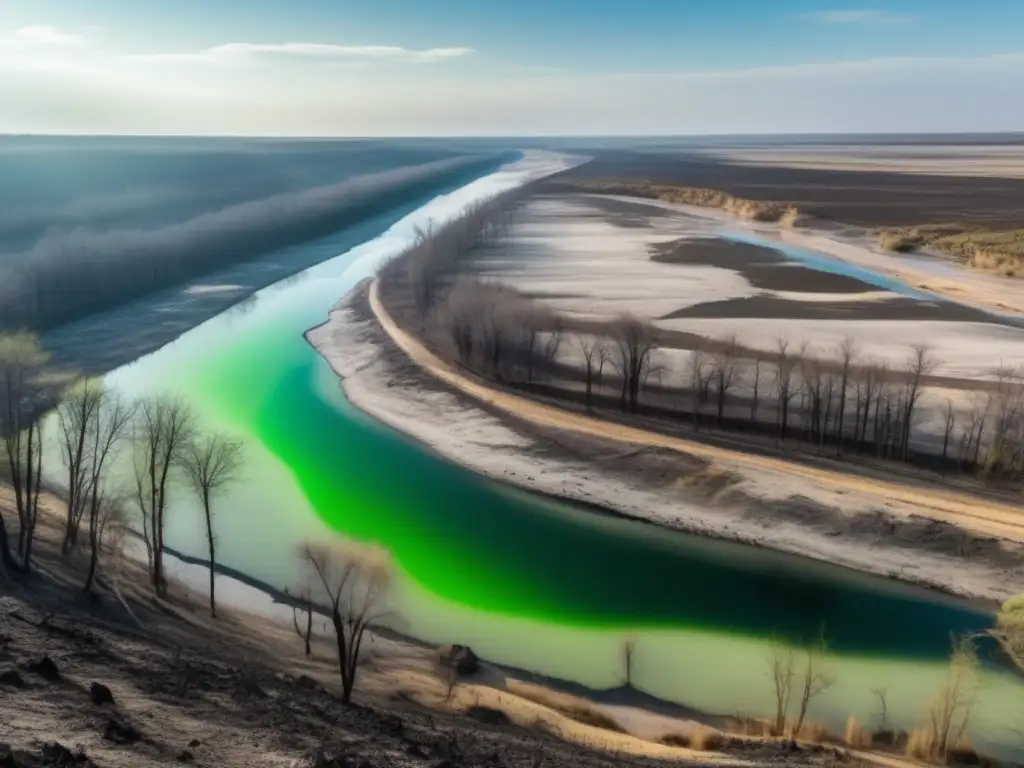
(982, 517)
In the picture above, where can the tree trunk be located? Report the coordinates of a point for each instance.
(590, 379)
(9, 563)
(212, 544)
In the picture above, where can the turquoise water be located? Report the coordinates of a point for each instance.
(524, 580)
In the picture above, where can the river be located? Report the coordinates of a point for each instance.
(526, 581)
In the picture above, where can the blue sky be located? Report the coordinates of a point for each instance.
(560, 66)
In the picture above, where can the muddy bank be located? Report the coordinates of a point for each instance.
(714, 498)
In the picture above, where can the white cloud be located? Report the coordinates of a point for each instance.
(245, 88)
(320, 51)
(859, 16)
(42, 34)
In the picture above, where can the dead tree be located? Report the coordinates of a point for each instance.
(699, 366)
(786, 363)
(164, 429)
(634, 340)
(593, 350)
(21, 364)
(755, 400)
(949, 426)
(920, 364)
(212, 463)
(302, 602)
(816, 680)
(782, 667)
(76, 420)
(105, 506)
(724, 367)
(355, 581)
(847, 359)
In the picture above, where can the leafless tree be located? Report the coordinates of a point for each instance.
(212, 462)
(105, 505)
(848, 354)
(76, 420)
(786, 364)
(594, 353)
(782, 665)
(755, 399)
(355, 581)
(301, 603)
(634, 341)
(164, 429)
(628, 651)
(950, 714)
(816, 679)
(21, 366)
(920, 363)
(949, 426)
(882, 694)
(724, 367)
(699, 375)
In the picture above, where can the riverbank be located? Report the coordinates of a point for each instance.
(957, 546)
(177, 686)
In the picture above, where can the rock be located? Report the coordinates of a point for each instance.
(307, 683)
(12, 678)
(56, 755)
(329, 758)
(194, 744)
(7, 758)
(461, 657)
(488, 715)
(46, 669)
(185, 756)
(100, 694)
(120, 732)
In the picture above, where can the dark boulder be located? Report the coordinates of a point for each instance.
(100, 694)
(488, 715)
(45, 668)
(12, 678)
(461, 658)
(120, 732)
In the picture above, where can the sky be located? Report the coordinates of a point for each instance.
(510, 67)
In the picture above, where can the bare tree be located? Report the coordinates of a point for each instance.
(755, 399)
(212, 463)
(724, 367)
(628, 652)
(699, 374)
(21, 364)
(634, 341)
(76, 420)
(104, 506)
(301, 603)
(816, 680)
(594, 354)
(782, 665)
(355, 581)
(950, 425)
(847, 357)
(950, 714)
(164, 430)
(920, 363)
(786, 363)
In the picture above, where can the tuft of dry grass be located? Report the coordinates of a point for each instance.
(1001, 252)
(920, 744)
(770, 211)
(700, 738)
(573, 707)
(855, 735)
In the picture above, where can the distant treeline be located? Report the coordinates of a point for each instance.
(70, 274)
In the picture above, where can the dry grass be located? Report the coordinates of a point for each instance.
(580, 710)
(999, 252)
(755, 210)
(700, 738)
(855, 735)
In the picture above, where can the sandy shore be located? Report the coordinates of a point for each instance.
(955, 544)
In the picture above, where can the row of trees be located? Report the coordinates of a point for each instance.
(67, 275)
(838, 397)
(93, 426)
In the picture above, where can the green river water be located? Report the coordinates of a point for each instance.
(526, 581)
